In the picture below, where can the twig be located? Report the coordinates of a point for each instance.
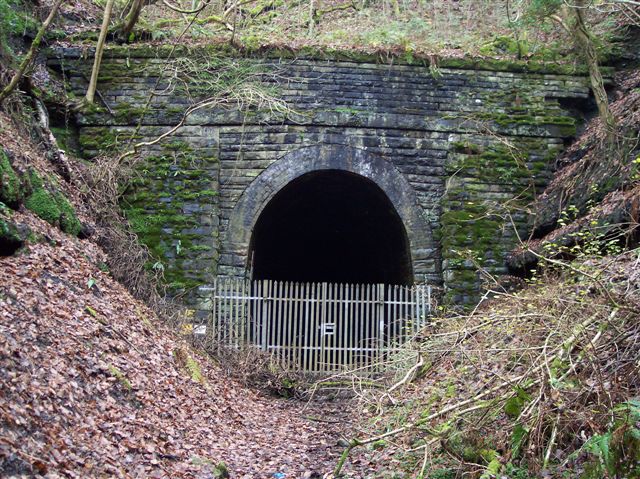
(563, 348)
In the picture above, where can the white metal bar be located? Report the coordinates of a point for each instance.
(297, 317)
(286, 327)
(317, 327)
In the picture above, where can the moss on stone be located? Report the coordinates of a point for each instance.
(65, 138)
(69, 222)
(505, 45)
(256, 50)
(51, 205)
(127, 113)
(486, 184)
(11, 188)
(42, 203)
(12, 237)
(160, 208)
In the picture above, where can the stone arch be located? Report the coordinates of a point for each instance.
(332, 157)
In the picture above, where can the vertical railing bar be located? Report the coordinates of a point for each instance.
(283, 323)
(235, 304)
(419, 312)
(356, 318)
(381, 326)
(272, 314)
(419, 302)
(230, 319)
(214, 315)
(338, 334)
(259, 319)
(318, 326)
(325, 307)
(411, 313)
(241, 320)
(315, 317)
(344, 322)
(402, 314)
(396, 313)
(328, 316)
(364, 327)
(335, 341)
(245, 312)
(229, 313)
(279, 325)
(263, 315)
(253, 316)
(242, 323)
(306, 332)
(297, 317)
(277, 320)
(288, 292)
(221, 315)
(312, 329)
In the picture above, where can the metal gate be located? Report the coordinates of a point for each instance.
(317, 327)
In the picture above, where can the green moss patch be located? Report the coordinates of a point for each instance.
(42, 203)
(69, 222)
(52, 206)
(259, 50)
(11, 188)
(164, 206)
(488, 190)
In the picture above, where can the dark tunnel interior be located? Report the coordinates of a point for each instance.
(331, 226)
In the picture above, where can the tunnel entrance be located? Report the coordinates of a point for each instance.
(331, 226)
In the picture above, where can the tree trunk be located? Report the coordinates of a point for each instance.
(93, 82)
(584, 41)
(312, 16)
(30, 54)
(131, 19)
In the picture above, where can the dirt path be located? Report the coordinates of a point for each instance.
(94, 386)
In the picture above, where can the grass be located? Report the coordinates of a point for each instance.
(442, 27)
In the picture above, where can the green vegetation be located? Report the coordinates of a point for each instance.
(616, 452)
(157, 205)
(15, 21)
(194, 370)
(51, 205)
(476, 232)
(11, 190)
(69, 222)
(42, 203)
(120, 376)
(186, 361)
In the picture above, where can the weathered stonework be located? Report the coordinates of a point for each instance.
(454, 149)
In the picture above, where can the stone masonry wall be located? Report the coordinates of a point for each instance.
(473, 144)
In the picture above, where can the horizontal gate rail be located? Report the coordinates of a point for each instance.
(317, 327)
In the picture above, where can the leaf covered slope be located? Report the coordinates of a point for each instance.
(93, 384)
